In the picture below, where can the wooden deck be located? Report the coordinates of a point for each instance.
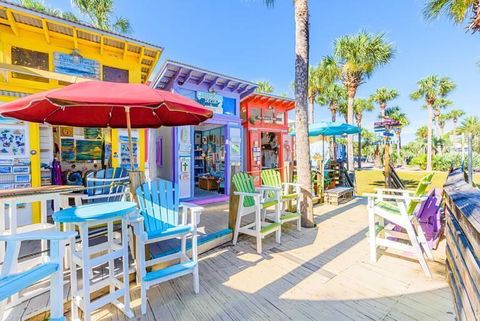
(316, 274)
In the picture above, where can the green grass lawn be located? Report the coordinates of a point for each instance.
(367, 180)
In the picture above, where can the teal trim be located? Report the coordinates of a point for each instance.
(171, 270)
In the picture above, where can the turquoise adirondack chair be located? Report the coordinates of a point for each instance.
(162, 217)
(271, 177)
(393, 223)
(106, 185)
(12, 282)
(254, 201)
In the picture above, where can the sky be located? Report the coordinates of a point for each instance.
(245, 39)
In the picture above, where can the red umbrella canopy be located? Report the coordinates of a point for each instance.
(103, 104)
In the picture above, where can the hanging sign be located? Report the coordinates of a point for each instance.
(76, 65)
(212, 101)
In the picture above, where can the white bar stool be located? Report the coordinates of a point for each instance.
(87, 257)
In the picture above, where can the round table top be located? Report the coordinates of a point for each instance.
(94, 212)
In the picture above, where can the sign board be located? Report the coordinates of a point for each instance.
(212, 101)
(184, 182)
(76, 65)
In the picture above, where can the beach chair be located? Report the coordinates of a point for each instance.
(393, 222)
(272, 178)
(253, 201)
(162, 217)
(12, 282)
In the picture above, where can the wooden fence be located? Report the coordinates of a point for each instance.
(462, 210)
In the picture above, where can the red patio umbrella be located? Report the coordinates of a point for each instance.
(107, 104)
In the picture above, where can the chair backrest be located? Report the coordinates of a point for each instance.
(419, 192)
(271, 177)
(159, 204)
(244, 183)
(107, 185)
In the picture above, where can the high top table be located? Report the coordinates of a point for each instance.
(85, 256)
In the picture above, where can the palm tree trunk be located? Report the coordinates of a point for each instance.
(302, 147)
(351, 98)
(454, 132)
(382, 110)
(429, 136)
(311, 112)
(333, 143)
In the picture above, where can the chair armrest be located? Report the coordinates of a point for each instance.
(247, 194)
(395, 197)
(293, 184)
(135, 217)
(191, 206)
(269, 188)
(195, 213)
(392, 190)
(38, 235)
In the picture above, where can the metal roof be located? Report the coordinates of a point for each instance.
(181, 73)
(82, 25)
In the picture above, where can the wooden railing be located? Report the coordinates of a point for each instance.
(462, 211)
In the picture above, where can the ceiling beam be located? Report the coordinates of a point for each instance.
(202, 79)
(45, 31)
(214, 82)
(226, 84)
(187, 77)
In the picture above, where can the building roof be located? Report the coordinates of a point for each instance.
(289, 103)
(14, 16)
(181, 73)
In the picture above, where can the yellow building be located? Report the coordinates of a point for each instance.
(39, 52)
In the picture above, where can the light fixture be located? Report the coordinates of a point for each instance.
(76, 56)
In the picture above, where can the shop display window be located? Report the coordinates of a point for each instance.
(32, 59)
(268, 115)
(255, 115)
(280, 118)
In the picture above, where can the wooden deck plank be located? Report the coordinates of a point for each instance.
(316, 274)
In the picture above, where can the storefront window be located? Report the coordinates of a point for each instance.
(268, 115)
(280, 118)
(32, 59)
(255, 115)
(229, 106)
(115, 74)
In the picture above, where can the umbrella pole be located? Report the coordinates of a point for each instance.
(130, 144)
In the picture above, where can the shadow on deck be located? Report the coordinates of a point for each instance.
(316, 274)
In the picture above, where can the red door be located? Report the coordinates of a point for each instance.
(255, 155)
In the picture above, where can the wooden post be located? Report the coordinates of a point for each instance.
(470, 159)
(233, 199)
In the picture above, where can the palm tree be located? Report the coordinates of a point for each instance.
(333, 95)
(457, 10)
(455, 115)
(302, 149)
(422, 133)
(41, 7)
(382, 96)
(431, 89)
(359, 56)
(360, 106)
(439, 105)
(264, 87)
(471, 126)
(319, 79)
(396, 114)
(101, 15)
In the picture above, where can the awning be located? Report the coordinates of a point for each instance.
(329, 128)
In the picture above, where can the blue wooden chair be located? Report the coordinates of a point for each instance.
(106, 185)
(12, 282)
(162, 217)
